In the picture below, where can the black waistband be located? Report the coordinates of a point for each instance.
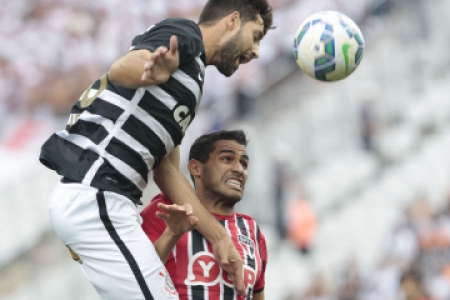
(136, 201)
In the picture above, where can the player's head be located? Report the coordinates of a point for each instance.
(246, 22)
(218, 165)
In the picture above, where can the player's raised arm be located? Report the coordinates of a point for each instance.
(179, 219)
(144, 67)
(176, 187)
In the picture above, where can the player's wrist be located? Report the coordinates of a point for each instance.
(219, 237)
(173, 234)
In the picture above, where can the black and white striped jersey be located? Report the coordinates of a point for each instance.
(116, 135)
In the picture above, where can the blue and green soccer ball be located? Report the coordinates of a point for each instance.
(328, 46)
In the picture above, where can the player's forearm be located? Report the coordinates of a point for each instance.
(127, 71)
(177, 188)
(165, 243)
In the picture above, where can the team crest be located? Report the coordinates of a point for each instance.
(168, 284)
(245, 240)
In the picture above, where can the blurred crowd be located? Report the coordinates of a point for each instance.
(415, 264)
(53, 49)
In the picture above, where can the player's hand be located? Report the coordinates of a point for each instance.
(179, 218)
(231, 262)
(163, 62)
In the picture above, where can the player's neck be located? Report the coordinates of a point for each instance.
(214, 204)
(211, 42)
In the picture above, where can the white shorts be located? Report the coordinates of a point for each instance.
(103, 230)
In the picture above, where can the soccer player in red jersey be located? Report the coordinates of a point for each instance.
(218, 165)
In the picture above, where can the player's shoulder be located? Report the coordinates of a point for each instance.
(246, 217)
(250, 220)
(179, 22)
(153, 205)
(185, 26)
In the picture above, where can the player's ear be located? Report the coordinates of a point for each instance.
(194, 167)
(234, 20)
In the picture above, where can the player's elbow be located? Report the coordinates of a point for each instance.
(114, 71)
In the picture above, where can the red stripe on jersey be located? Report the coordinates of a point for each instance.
(182, 259)
(262, 254)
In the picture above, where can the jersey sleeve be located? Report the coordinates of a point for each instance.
(151, 224)
(188, 34)
(260, 283)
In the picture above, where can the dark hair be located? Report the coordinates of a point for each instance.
(206, 144)
(215, 10)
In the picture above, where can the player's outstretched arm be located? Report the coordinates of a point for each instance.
(176, 187)
(141, 67)
(179, 219)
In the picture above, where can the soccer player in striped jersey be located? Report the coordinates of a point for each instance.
(130, 122)
(218, 166)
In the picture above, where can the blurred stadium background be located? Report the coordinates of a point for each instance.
(350, 181)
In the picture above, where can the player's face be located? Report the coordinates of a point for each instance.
(225, 173)
(242, 47)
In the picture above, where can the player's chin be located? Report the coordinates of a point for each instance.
(228, 73)
(233, 196)
(228, 70)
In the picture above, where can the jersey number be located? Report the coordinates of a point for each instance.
(86, 100)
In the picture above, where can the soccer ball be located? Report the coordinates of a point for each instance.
(328, 46)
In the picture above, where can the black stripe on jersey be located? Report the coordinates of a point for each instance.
(228, 293)
(198, 291)
(250, 294)
(115, 88)
(241, 226)
(163, 115)
(67, 159)
(128, 156)
(96, 84)
(108, 178)
(105, 109)
(96, 133)
(251, 261)
(144, 135)
(180, 92)
(76, 109)
(121, 90)
(103, 212)
(258, 238)
(251, 257)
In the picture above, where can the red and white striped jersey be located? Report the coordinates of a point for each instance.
(192, 266)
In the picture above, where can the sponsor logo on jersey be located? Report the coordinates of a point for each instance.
(203, 269)
(182, 116)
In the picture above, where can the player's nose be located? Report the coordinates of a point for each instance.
(237, 168)
(255, 51)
